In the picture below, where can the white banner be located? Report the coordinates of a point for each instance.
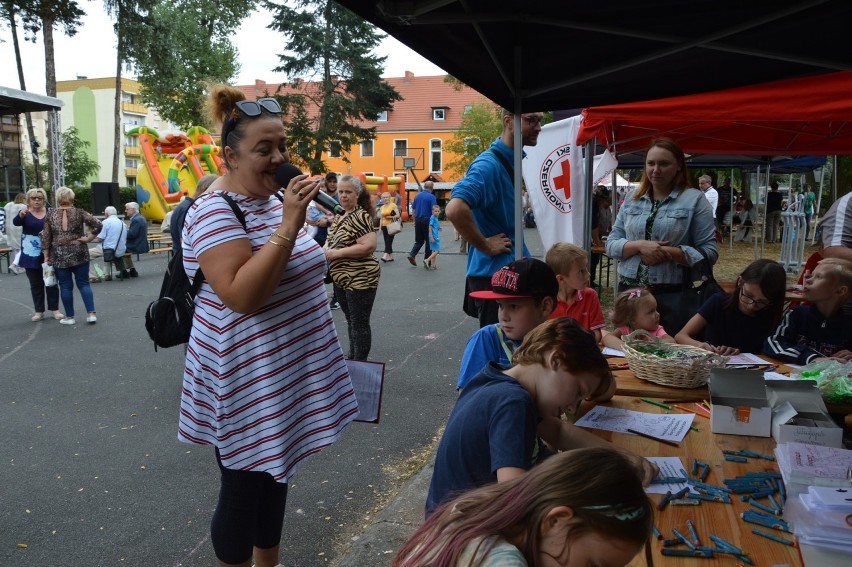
(556, 181)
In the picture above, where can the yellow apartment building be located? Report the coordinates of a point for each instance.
(89, 106)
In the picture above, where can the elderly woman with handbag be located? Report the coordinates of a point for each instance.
(391, 224)
(663, 230)
(31, 220)
(352, 266)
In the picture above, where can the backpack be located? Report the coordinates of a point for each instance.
(168, 318)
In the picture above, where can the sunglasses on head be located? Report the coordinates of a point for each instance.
(252, 108)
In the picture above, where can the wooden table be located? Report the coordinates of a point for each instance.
(723, 520)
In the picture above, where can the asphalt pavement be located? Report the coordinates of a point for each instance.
(91, 470)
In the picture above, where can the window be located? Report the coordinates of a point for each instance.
(400, 148)
(131, 163)
(382, 116)
(439, 114)
(471, 145)
(436, 154)
(366, 148)
(468, 108)
(334, 149)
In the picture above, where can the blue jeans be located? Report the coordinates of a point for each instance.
(80, 272)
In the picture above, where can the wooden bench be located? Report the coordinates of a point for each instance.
(6, 252)
(167, 249)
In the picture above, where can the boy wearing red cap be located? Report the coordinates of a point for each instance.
(525, 291)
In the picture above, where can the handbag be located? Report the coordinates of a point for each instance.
(109, 253)
(678, 304)
(395, 227)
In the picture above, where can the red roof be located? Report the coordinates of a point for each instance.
(414, 113)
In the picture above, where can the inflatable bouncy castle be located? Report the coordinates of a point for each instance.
(171, 167)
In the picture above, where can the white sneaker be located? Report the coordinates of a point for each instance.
(67, 321)
(91, 318)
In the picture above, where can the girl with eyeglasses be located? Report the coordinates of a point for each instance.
(731, 323)
(265, 381)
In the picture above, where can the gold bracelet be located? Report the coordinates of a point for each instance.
(282, 237)
(290, 248)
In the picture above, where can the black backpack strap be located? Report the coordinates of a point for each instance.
(509, 169)
(199, 275)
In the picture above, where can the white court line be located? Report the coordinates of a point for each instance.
(27, 340)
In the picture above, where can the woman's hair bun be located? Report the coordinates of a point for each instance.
(221, 102)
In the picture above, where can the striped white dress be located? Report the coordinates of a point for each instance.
(268, 388)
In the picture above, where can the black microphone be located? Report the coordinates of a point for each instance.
(287, 171)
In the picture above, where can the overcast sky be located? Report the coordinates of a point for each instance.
(91, 53)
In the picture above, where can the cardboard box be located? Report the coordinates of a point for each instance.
(799, 414)
(739, 402)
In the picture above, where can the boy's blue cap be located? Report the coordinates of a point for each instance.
(527, 277)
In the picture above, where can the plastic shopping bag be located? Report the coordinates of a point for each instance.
(49, 275)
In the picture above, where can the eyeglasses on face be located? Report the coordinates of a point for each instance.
(252, 108)
(533, 120)
(749, 299)
(36, 198)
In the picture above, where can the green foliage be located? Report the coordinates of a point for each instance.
(182, 47)
(478, 129)
(328, 48)
(79, 167)
(36, 14)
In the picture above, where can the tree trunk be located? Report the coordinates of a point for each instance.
(116, 150)
(29, 117)
(50, 81)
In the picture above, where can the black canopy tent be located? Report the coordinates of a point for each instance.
(15, 102)
(536, 55)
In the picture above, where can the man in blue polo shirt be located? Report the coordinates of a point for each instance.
(422, 204)
(482, 209)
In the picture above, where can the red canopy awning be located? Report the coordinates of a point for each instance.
(806, 116)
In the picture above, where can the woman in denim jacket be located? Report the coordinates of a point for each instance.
(662, 226)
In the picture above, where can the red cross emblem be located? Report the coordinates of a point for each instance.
(564, 181)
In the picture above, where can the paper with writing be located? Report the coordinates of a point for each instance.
(669, 426)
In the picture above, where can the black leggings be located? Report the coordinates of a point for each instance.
(388, 240)
(250, 513)
(357, 305)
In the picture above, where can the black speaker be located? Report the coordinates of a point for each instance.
(104, 194)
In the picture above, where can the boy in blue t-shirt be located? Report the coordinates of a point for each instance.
(525, 291)
(434, 239)
(492, 431)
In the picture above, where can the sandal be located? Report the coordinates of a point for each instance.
(37, 317)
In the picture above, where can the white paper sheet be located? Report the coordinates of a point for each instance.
(745, 359)
(669, 426)
(669, 466)
(607, 351)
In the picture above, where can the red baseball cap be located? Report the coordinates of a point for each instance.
(527, 277)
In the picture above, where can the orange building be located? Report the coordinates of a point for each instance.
(414, 133)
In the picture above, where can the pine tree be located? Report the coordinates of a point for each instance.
(335, 79)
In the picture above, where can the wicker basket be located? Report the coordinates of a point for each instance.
(689, 367)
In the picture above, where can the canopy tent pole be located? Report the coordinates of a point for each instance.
(518, 154)
(589, 155)
(818, 203)
(732, 211)
(834, 172)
